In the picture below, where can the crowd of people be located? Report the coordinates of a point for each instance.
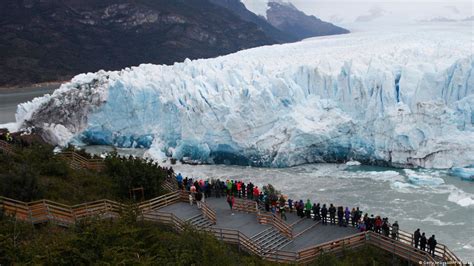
(279, 205)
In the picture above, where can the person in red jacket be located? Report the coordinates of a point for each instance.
(256, 193)
(239, 188)
(231, 201)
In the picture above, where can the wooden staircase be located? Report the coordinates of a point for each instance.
(270, 240)
(200, 221)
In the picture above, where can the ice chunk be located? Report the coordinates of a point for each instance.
(402, 186)
(461, 198)
(353, 163)
(464, 173)
(422, 179)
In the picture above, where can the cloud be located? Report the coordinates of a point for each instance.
(453, 9)
(374, 12)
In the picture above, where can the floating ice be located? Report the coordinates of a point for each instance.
(402, 187)
(403, 98)
(464, 173)
(353, 163)
(422, 179)
(461, 198)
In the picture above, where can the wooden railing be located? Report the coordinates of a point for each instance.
(161, 201)
(277, 222)
(245, 205)
(209, 213)
(6, 148)
(335, 246)
(42, 211)
(399, 248)
(77, 161)
(165, 218)
(441, 250)
(235, 237)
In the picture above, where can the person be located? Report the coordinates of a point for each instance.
(267, 204)
(234, 187)
(256, 193)
(432, 245)
(416, 237)
(198, 199)
(324, 214)
(395, 228)
(361, 226)
(378, 224)
(282, 200)
(347, 214)
(317, 214)
(239, 189)
(179, 179)
(307, 209)
(250, 191)
(315, 211)
(8, 137)
(290, 205)
(332, 214)
(282, 212)
(297, 207)
(423, 242)
(301, 204)
(358, 214)
(371, 223)
(244, 190)
(386, 227)
(229, 187)
(190, 199)
(340, 216)
(353, 217)
(230, 201)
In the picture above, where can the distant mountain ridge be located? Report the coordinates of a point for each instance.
(287, 18)
(238, 8)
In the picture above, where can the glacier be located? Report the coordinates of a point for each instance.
(400, 98)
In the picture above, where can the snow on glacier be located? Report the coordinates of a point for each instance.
(405, 98)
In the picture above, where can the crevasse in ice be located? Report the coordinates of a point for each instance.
(405, 99)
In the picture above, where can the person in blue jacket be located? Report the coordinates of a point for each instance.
(179, 179)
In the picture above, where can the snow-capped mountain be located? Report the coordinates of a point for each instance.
(405, 98)
(362, 15)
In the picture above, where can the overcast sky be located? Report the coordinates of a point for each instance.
(355, 14)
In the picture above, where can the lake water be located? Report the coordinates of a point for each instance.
(11, 98)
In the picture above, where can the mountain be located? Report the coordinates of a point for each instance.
(287, 18)
(238, 8)
(47, 40)
(399, 98)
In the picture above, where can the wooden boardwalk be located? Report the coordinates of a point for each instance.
(308, 238)
(297, 240)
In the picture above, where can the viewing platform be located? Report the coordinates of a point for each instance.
(297, 240)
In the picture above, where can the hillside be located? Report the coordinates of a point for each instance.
(54, 40)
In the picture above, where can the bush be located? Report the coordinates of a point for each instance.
(114, 242)
(131, 172)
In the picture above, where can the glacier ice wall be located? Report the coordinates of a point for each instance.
(401, 98)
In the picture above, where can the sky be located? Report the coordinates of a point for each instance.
(357, 14)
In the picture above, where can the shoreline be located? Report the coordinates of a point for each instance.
(32, 87)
